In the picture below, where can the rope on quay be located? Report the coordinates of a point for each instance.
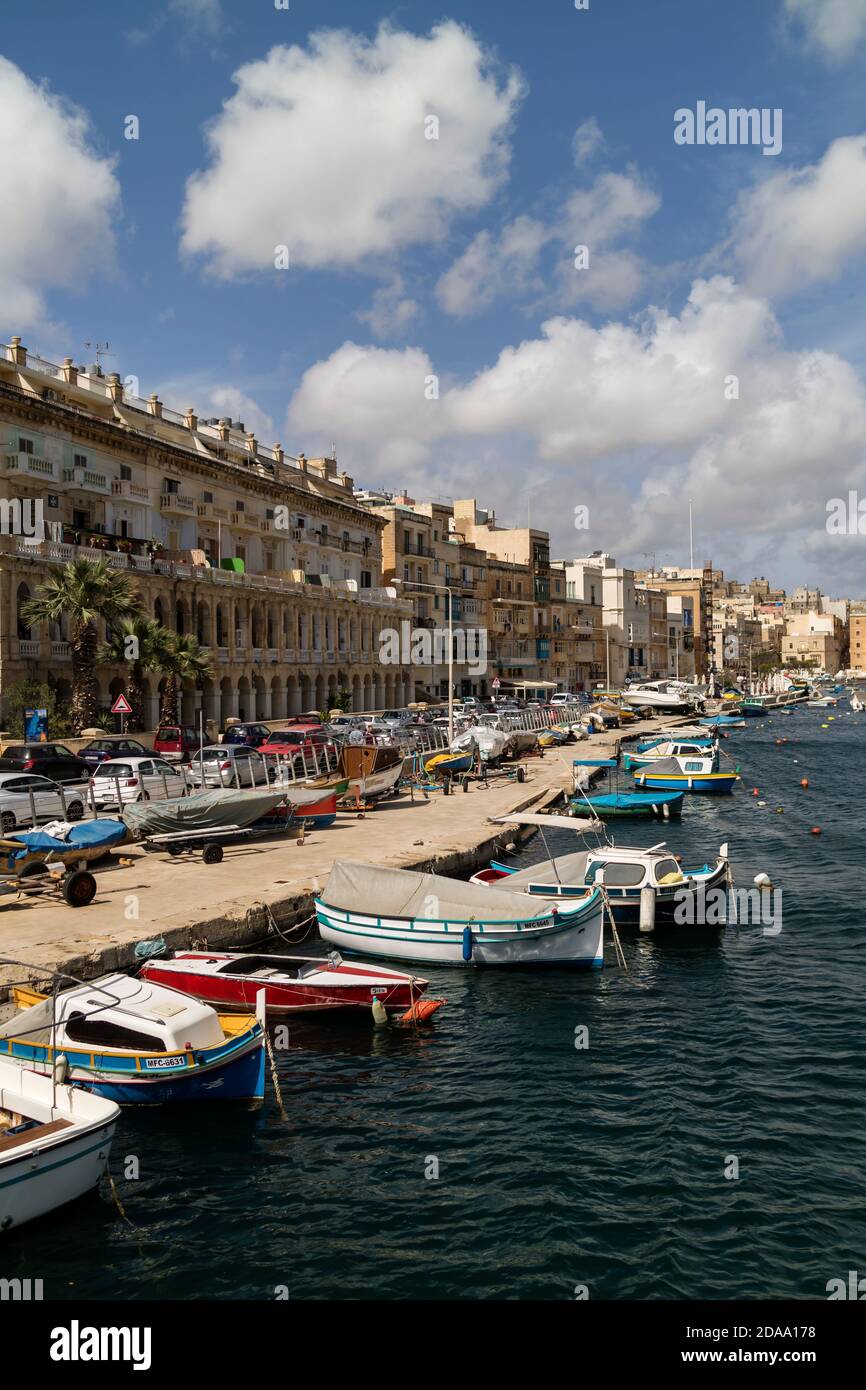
(290, 940)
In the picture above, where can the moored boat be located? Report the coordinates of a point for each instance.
(414, 916)
(685, 774)
(132, 1041)
(291, 984)
(54, 1143)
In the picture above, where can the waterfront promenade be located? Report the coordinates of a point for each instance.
(236, 903)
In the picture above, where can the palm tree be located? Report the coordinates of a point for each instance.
(142, 642)
(84, 591)
(182, 659)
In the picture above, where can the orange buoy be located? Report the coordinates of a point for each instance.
(816, 830)
(421, 1010)
(804, 781)
(755, 791)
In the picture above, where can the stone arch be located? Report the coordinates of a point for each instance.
(159, 611)
(228, 701)
(261, 699)
(293, 697)
(306, 694)
(357, 694)
(320, 692)
(279, 708)
(221, 630)
(245, 700)
(203, 632)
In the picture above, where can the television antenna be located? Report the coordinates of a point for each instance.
(100, 350)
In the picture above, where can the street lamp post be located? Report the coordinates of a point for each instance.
(441, 589)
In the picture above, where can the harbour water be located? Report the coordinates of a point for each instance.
(558, 1167)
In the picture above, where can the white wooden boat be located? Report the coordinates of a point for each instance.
(54, 1143)
(376, 911)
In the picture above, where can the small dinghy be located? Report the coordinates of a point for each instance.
(412, 916)
(54, 1143)
(292, 984)
(132, 1041)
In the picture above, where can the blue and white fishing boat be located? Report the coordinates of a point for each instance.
(374, 911)
(707, 750)
(625, 873)
(135, 1042)
(685, 774)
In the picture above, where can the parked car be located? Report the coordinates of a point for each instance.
(229, 765)
(176, 742)
(98, 749)
(252, 735)
(52, 760)
(15, 805)
(307, 745)
(560, 697)
(137, 779)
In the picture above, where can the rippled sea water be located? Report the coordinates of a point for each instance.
(557, 1166)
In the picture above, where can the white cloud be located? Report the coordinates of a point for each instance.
(631, 417)
(324, 149)
(60, 200)
(203, 15)
(835, 27)
(800, 226)
(601, 216)
(211, 399)
(391, 311)
(492, 266)
(587, 140)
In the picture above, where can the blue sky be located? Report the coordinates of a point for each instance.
(558, 387)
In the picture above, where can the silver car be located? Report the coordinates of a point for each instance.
(229, 765)
(16, 808)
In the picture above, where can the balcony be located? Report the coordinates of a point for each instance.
(207, 511)
(32, 466)
(542, 651)
(27, 649)
(177, 504)
(244, 521)
(60, 651)
(87, 480)
(129, 491)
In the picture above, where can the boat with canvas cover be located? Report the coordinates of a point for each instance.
(292, 984)
(616, 803)
(376, 911)
(134, 1042)
(685, 774)
(624, 873)
(221, 809)
(492, 744)
(54, 1143)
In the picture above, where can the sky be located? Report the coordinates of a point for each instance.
(470, 248)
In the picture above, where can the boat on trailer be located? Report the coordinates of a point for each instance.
(413, 916)
(132, 1041)
(54, 1143)
(291, 984)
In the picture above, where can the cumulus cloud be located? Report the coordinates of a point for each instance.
(61, 198)
(325, 149)
(800, 226)
(632, 417)
(835, 27)
(601, 216)
(391, 311)
(213, 398)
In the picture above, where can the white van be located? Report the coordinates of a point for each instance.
(561, 697)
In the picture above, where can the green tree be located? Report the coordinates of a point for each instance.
(143, 644)
(84, 592)
(30, 694)
(181, 660)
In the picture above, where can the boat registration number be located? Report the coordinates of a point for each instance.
(163, 1063)
(379, 989)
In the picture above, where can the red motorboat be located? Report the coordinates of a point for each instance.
(292, 984)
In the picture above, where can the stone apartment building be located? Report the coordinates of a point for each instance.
(268, 559)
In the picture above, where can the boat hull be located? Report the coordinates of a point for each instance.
(714, 783)
(35, 1183)
(396, 994)
(575, 942)
(626, 804)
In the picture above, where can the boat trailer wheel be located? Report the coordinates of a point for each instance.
(79, 888)
(212, 854)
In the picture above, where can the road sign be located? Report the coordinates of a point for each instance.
(121, 706)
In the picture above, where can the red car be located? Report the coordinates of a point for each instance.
(177, 743)
(305, 744)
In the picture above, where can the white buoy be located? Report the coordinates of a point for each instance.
(61, 1067)
(762, 881)
(380, 1015)
(647, 908)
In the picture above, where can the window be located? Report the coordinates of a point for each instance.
(79, 460)
(366, 579)
(171, 486)
(100, 1032)
(207, 497)
(239, 506)
(25, 446)
(125, 473)
(617, 875)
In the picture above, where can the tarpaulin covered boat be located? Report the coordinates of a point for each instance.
(411, 916)
(73, 842)
(223, 808)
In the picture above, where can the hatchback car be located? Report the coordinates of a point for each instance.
(100, 749)
(52, 760)
(251, 735)
(232, 765)
(176, 742)
(308, 747)
(17, 808)
(120, 780)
